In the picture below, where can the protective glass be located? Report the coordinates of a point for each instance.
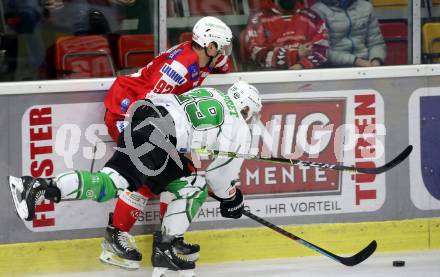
(253, 117)
(226, 49)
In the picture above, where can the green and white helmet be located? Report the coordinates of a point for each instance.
(211, 29)
(245, 95)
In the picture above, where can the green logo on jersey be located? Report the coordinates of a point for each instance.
(229, 104)
(203, 110)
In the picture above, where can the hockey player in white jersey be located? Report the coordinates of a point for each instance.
(150, 151)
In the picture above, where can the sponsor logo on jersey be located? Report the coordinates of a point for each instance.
(90, 194)
(125, 104)
(173, 54)
(135, 214)
(193, 72)
(170, 72)
(120, 125)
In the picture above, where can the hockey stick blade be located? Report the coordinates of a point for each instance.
(348, 261)
(374, 170)
(381, 169)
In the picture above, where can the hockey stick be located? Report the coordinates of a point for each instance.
(348, 261)
(374, 170)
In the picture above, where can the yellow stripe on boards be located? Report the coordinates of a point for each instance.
(434, 231)
(229, 245)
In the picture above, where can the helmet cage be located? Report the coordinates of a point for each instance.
(245, 95)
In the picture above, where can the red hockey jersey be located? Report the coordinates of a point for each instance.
(272, 40)
(174, 71)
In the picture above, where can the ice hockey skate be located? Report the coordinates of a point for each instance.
(188, 251)
(119, 248)
(167, 263)
(27, 192)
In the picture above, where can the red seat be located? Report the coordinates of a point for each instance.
(395, 35)
(83, 56)
(135, 51)
(210, 7)
(185, 36)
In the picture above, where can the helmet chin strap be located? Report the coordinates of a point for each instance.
(210, 57)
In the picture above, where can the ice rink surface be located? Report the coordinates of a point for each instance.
(417, 264)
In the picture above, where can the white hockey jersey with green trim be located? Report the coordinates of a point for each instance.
(208, 118)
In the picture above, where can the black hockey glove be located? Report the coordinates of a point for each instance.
(232, 207)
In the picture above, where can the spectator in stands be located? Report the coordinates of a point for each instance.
(78, 16)
(29, 14)
(87, 17)
(278, 37)
(90, 21)
(355, 37)
(83, 17)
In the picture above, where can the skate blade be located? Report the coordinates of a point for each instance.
(16, 187)
(190, 257)
(165, 272)
(113, 259)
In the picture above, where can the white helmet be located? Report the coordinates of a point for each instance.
(211, 29)
(245, 95)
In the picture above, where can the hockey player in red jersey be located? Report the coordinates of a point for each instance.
(175, 71)
(278, 37)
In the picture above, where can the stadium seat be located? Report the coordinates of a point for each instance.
(83, 56)
(395, 35)
(135, 51)
(185, 36)
(217, 7)
(390, 3)
(431, 42)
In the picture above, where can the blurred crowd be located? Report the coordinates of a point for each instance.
(37, 35)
